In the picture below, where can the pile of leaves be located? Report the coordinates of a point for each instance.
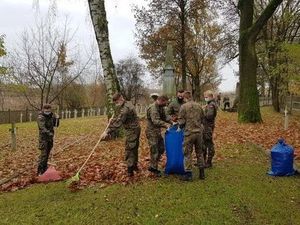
(107, 165)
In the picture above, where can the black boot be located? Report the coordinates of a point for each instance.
(208, 164)
(130, 171)
(155, 171)
(136, 168)
(205, 155)
(188, 176)
(201, 174)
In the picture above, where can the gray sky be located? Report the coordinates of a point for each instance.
(16, 15)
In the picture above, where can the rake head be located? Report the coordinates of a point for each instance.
(73, 179)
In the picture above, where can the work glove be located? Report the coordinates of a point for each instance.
(174, 123)
(178, 129)
(104, 135)
(168, 128)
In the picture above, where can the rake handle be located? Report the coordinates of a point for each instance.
(94, 147)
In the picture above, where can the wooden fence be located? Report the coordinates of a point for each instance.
(21, 116)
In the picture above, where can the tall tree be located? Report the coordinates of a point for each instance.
(204, 44)
(130, 73)
(2, 53)
(167, 18)
(194, 33)
(98, 16)
(3, 70)
(248, 110)
(282, 29)
(40, 66)
(99, 20)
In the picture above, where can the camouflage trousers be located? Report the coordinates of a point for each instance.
(208, 144)
(45, 145)
(157, 147)
(132, 146)
(191, 141)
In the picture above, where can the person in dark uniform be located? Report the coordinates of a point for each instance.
(46, 122)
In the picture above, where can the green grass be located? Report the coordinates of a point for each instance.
(236, 191)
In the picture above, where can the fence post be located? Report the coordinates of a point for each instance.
(13, 132)
(21, 118)
(291, 104)
(75, 113)
(82, 113)
(30, 117)
(26, 115)
(286, 118)
(9, 119)
(62, 114)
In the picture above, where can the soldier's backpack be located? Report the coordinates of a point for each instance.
(282, 156)
(174, 151)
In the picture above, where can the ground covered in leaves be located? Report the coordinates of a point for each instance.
(76, 138)
(236, 191)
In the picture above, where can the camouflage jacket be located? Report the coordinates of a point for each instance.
(174, 107)
(191, 117)
(127, 117)
(46, 124)
(210, 113)
(156, 117)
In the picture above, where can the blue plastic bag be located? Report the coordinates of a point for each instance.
(174, 151)
(282, 156)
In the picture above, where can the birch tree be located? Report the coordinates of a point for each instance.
(99, 20)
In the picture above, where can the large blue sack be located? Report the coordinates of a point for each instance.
(174, 151)
(282, 156)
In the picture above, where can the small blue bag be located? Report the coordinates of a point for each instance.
(282, 156)
(174, 151)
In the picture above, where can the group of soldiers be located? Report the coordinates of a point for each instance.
(196, 121)
(198, 124)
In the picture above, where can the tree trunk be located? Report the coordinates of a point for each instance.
(248, 109)
(183, 50)
(197, 91)
(98, 16)
(275, 94)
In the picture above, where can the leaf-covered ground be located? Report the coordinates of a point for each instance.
(76, 138)
(236, 191)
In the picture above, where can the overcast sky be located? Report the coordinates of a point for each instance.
(16, 15)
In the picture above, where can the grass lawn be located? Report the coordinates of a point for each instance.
(236, 191)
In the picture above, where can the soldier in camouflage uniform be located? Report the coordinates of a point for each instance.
(190, 118)
(210, 113)
(156, 119)
(46, 122)
(174, 107)
(127, 117)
